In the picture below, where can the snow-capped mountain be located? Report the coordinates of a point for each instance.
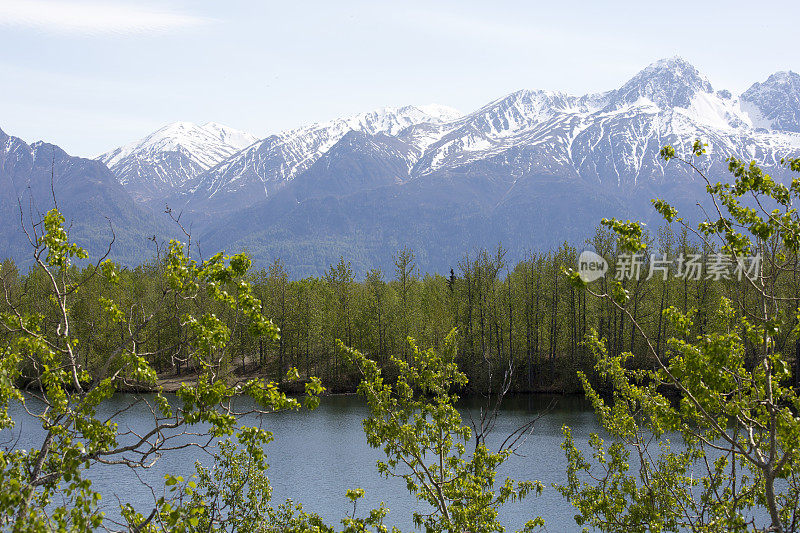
(614, 138)
(268, 165)
(668, 83)
(611, 138)
(162, 162)
(530, 170)
(776, 102)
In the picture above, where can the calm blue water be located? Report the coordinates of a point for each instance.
(317, 455)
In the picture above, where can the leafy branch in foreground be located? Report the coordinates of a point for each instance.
(45, 487)
(416, 424)
(735, 461)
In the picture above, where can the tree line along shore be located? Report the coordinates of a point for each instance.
(520, 326)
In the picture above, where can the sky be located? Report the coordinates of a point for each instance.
(90, 76)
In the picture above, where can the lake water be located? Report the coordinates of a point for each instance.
(317, 455)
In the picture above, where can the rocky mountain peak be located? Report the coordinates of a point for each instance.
(777, 100)
(669, 82)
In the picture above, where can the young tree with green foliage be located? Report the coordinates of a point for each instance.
(415, 422)
(724, 455)
(43, 369)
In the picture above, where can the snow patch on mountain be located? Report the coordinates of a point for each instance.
(170, 156)
(206, 144)
(269, 164)
(611, 138)
(776, 101)
(616, 135)
(671, 82)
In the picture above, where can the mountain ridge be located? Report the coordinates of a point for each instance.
(530, 169)
(670, 99)
(166, 159)
(267, 165)
(34, 177)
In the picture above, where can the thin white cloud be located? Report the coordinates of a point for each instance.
(93, 18)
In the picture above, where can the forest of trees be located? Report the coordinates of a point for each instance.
(522, 323)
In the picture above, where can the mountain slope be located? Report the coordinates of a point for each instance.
(359, 161)
(776, 101)
(88, 195)
(529, 170)
(265, 167)
(162, 162)
(611, 138)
